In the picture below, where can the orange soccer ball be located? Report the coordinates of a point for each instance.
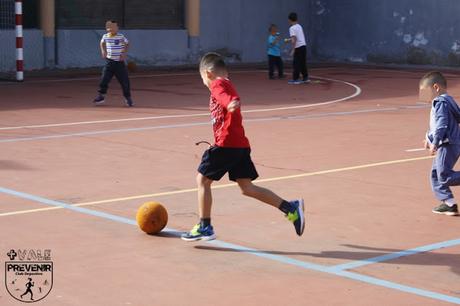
(152, 217)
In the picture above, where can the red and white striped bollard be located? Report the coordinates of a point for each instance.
(19, 41)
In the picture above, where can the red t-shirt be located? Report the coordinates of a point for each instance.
(227, 126)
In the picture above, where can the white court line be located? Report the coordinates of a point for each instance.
(185, 125)
(190, 190)
(415, 150)
(102, 121)
(141, 76)
(355, 94)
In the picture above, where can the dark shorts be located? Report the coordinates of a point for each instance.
(217, 161)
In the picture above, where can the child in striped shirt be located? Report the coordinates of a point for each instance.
(114, 47)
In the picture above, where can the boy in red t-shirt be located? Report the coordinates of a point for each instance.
(230, 153)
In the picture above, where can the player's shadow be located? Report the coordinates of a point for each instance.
(13, 165)
(168, 234)
(362, 253)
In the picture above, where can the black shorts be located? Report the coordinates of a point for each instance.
(217, 161)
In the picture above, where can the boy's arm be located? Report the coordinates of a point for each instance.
(103, 49)
(274, 40)
(442, 122)
(233, 106)
(224, 98)
(293, 41)
(124, 52)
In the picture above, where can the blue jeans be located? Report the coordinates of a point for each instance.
(442, 174)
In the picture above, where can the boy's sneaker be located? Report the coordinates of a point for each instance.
(298, 216)
(295, 82)
(129, 102)
(100, 99)
(198, 233)
(446, 209)
(306, 81)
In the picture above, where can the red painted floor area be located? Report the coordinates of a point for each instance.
(56, 145)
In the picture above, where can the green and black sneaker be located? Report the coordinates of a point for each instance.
(445, 209)
(297, 216)
(199, 233)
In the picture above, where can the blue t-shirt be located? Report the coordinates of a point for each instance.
(274, 49)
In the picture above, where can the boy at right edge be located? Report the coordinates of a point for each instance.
(442, 140)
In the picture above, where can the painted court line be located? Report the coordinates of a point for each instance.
(355, 94)
(387, 257)
(342, 273)
(273, 179)
(415, 150)
(102, 121)
(141, 76)
(183, 125)
(104, 132)
(265, 255)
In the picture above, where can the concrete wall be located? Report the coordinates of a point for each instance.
(33, 50)
(236, 28)
(80, 48)
(392, 31)
(239, 28)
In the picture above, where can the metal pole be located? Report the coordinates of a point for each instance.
(19, 41)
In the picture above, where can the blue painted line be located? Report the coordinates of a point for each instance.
(391, 256)
(83, 210)
(346, 274)
(391, 285)
(266, 255)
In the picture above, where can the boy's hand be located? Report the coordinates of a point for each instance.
(426, 144)
(123, 56)
(433, 149)
(233, 106)
(104, 54)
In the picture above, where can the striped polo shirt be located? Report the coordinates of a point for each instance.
(114, 45)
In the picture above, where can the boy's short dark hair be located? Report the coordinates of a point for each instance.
(433, 77)
(212, 61)
(292, 16)
(271, 27)
(110, 21)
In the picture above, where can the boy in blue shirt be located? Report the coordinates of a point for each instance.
(442, 140)
(274, 53)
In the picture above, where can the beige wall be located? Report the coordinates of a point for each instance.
(192, 17)
(47, 23)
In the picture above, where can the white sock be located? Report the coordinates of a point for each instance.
(450, 202)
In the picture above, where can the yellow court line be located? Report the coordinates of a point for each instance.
(273, 179)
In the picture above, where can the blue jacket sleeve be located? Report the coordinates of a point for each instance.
(441, 116)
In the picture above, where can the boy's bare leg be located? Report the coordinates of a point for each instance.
(294, 210)
(204, 196)
(203, 230)
(262, 194)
